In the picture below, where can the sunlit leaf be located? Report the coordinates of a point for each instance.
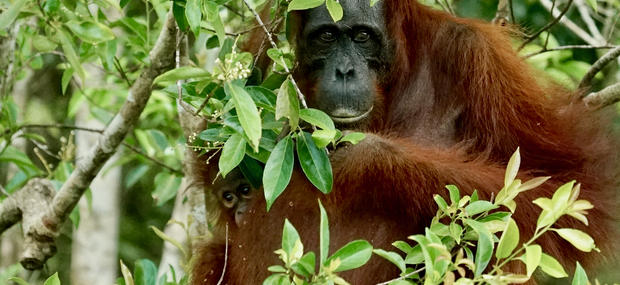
(232, 154)
(533, 254)
(509, 240)
(304, 4)
(246, 111)
(278, 170)
(352, 255)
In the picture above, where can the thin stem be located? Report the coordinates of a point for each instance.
(548, 26)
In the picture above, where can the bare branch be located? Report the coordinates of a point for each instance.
(568, 47)
(548, 26)
(571, 25)
(587, 18)
(603, 98)
(598, 66)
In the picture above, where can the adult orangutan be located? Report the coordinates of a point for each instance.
(442, 100)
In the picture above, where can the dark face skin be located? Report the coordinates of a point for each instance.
(345, 60)
(234, 194)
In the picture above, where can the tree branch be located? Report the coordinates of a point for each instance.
(571, 25)
(603, 98)
(568, 47)
(599, 65)
(584, 12)
(48, 220)
(548, 26)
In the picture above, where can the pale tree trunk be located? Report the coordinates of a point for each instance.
(94, 259)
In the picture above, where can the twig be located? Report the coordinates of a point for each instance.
(99, 131)
(503, 12)
(225, 257)
(548, 26)
(568, 47)
(302, 99)
(587, 19)
(571, 25)
(598, 66)
(206, 101)
(119, 68)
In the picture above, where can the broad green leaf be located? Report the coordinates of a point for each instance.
(304, 4)
(91, 32)
(70, 54)
(580, 277)
(252, 170)
(317, 118)
(276, 268)
(11, 14)
(352, 255)
(278, 170)
(289, 237)
(335, 9)
(315, 163)
(145, 272)
(484, 249)
(277, 279)
(353, 138)
(52, 280)
(193, 14)
(214, 18)
(479, 207)
(287, 104)
(533, 254)
(560, 198)
(551, 266)
(166, 187)
(509, 240)
(440, 202)
(182, 73)
(305, 265)
(323, 235)
(577, 238)
(455, 196)
(322, 138)
(246, 111)
(43, 44)
(512, 168)
(232, 154)
(392, 257)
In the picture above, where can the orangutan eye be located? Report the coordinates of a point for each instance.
(327, 36)
(229, 199)
(361, 36)
(244, 190)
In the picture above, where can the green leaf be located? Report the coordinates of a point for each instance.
(91, 32)
(19, 281)
(305, 265)
(182, 73)
(577, 238)
(484, 249)
(533, 255)
(145, 272)
(166, 187)
(509, 240)
(193, 13)
(593, 4)
(440, 202)
(278, 170)
(247, 112)
(277, 279)
(232, 154)
(52, 280)
(289, 237)
(287, 104)
(512, 168)
(315, 163)
(304, 4)
(551, 266)
(455, 196)
(373, 2)
(322, 138)
(252, 170)
(580, 277)
(353, 138)
(323, 235)
(11, 14)
(479, 207)
(352, 255)
(43, 44)
(335, 10)
(392, 257)
(70, 54)
(317, 118)
(214, 18)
